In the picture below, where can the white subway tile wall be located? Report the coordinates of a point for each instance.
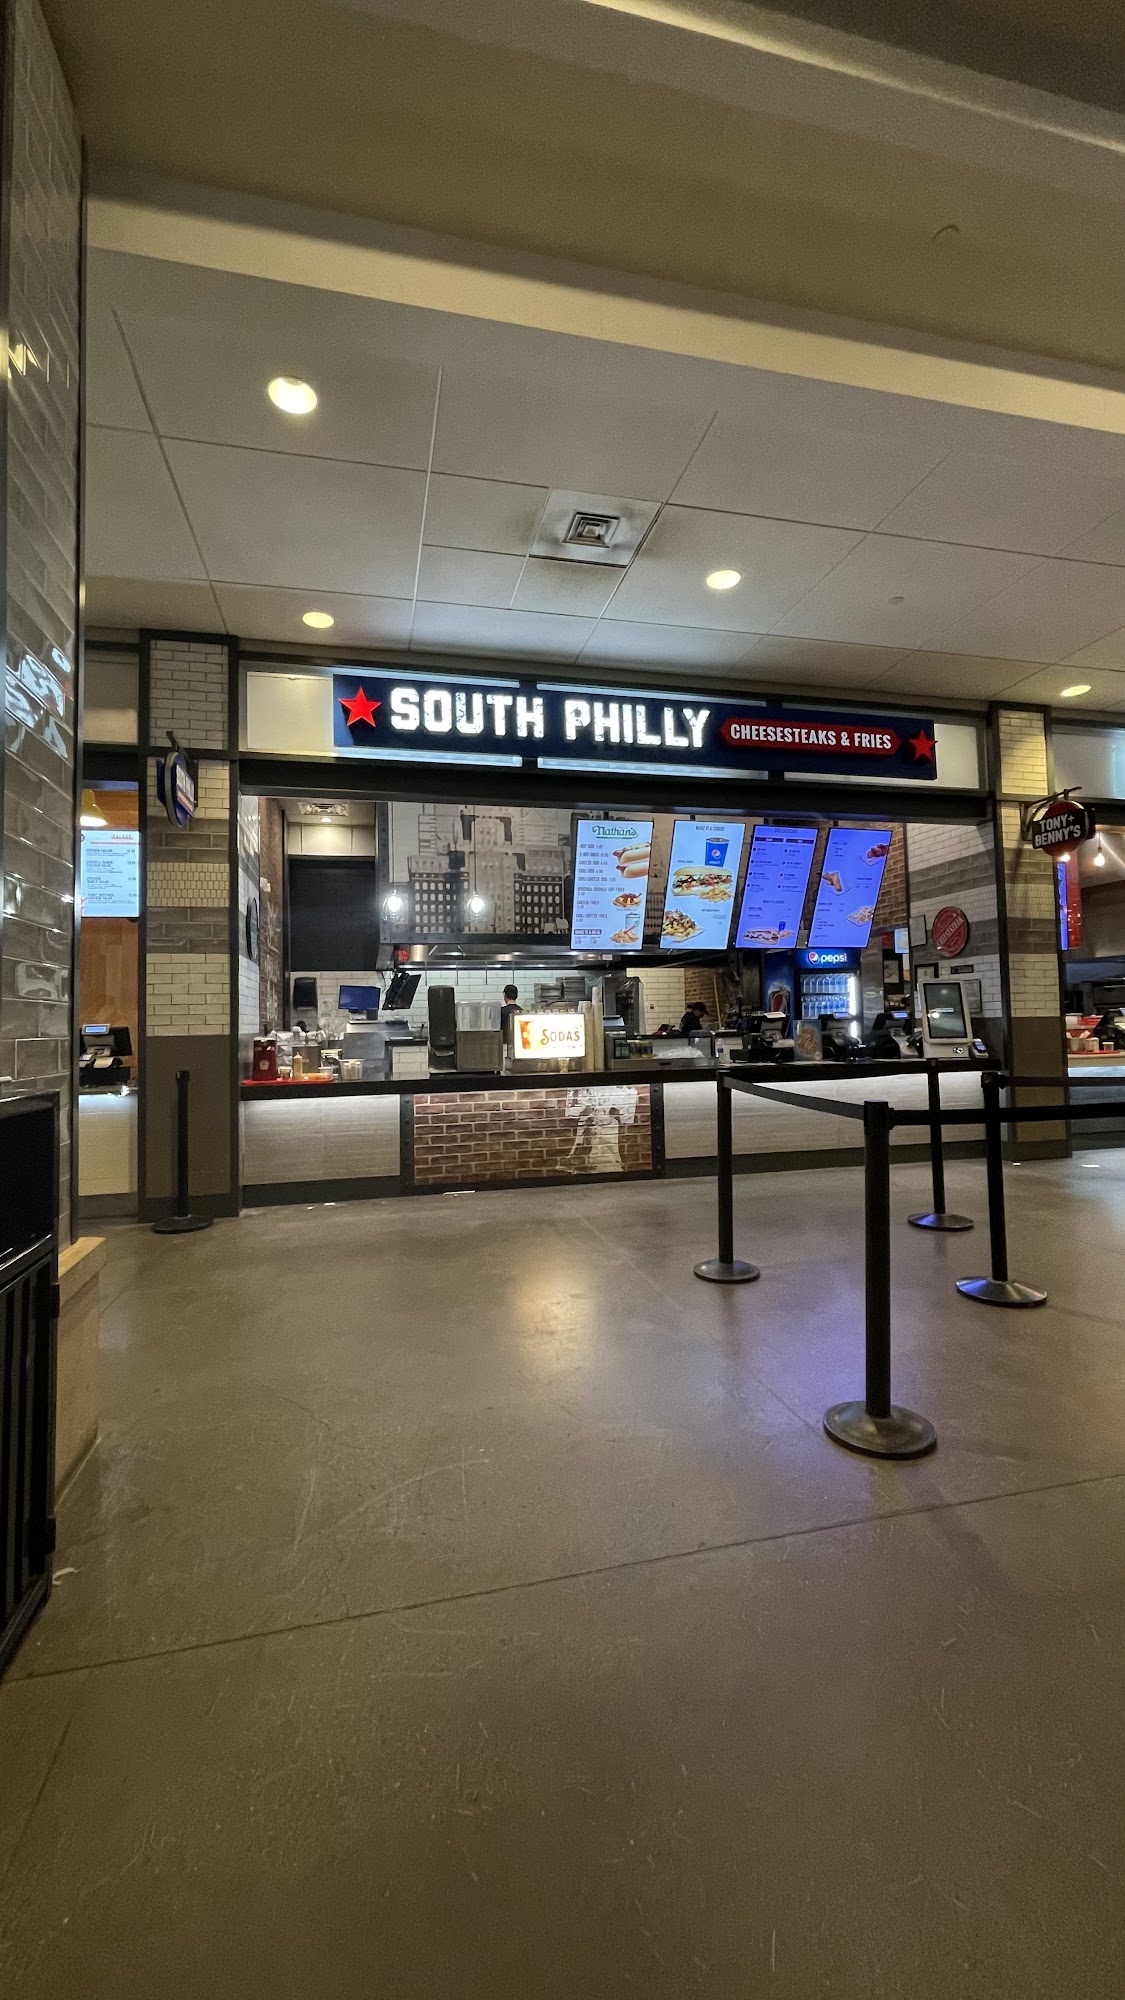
(188, 692)
(1023, 753)
(188, 993)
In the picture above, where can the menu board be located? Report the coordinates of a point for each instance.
(850, 880)
(611, 864)
(110, 878)
(702, 875)
(776, 880)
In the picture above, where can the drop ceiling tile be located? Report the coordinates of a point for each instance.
(468, 576)
(844, 479)
(819, 660)
(112, 395)
(935, 583)
(1049, 615)
(521, 429)
(254, 613)
(134, 603)
(454, 628)
(482, 514)
(1107, 652)
(1004, 503)
(1103, 544)
(779, 561)
(582, 589)
(207, 381)
(952, 676)
(135, 525)
(1048, 683)
(306, 523)
(617, 642)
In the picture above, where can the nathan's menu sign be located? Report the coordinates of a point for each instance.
(850, 879)
(776, 880)
(702, 874)
(611, 866)
(378, 713)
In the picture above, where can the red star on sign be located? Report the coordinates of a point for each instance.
(359, 708)
(922, 746)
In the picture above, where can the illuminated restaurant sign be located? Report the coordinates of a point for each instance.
(552, 1035)
(379, 714)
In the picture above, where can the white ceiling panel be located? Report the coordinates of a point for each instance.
(130, 602)
(841, 478)
(305, 523)
(482, 514)
(893, 592)
(580, 589)
(779, 561)
(1058, 608)
(450, 628)
(818, 660)
(616, 642)
(207, 381)
(951, 676)
(112, 395)
(526, 431)
(1107, 652)
(1002, 503)
(467, 576)
(278, 614)
(1047, 684)
(1104, 544)
(135, 525)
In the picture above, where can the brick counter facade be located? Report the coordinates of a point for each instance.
(472, 1138)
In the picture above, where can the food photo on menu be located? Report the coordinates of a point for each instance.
(702, 873)
(850, 881)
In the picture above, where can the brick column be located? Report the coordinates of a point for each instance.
(1029, 945)
(189, 998)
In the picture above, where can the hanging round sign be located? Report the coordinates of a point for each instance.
(949, 932)
(175, 787)
(1061, 823)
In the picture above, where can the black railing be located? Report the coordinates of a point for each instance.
(28, 1313)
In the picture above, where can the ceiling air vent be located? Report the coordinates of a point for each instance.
(593, 528)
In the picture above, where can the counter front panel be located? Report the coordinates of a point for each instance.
(492, 1137)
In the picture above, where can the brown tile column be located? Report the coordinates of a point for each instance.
(1029, 951)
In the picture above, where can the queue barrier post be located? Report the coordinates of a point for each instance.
(876, 1426)
(998, 1289)
(181, 1222)
(938, 1217)
(726, 1268)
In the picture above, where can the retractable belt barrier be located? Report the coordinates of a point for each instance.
(876, 1425)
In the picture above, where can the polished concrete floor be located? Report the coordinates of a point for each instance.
(464, 1600)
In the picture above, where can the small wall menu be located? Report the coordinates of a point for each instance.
(850, 880)
(702, 875)
(611, 864)
(776, 880)
(110, 873)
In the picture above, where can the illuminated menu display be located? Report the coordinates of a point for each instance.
(701, 881)
(611, 864)
(110, 877)
(850, 880)
(776, 880)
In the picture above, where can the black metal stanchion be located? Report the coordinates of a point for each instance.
(726, 1268)
(181, 1223)
(938, 1216)
(999, 1289)
(877, 1426)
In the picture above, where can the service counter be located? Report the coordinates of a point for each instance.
(416, 1135)
(107, 1151)
(1107, 1070)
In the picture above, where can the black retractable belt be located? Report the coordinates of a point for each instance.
(726, 1268)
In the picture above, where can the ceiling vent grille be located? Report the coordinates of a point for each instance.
(593, 528)
(592, 531)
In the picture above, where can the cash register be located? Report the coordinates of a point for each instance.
(103, 1059)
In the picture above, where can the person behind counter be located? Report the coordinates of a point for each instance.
(693, 1018)
(511, 1005)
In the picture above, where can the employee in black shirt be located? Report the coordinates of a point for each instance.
(511, 1005)
(693, 1018)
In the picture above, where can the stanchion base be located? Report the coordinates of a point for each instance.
(903, 1434)
(735, 1273)
(181, 1225)
(1000, 1292)
(940, 1219)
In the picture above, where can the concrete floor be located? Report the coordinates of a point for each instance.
(464, 1600)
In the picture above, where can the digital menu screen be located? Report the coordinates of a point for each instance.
(110, 873)
(611, 864)
(776, 880)
(850, 880)
(702, 875)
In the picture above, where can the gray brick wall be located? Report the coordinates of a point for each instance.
(41, 529)
(188, 693)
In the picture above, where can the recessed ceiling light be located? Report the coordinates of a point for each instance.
(723, 579)
(1080, 687)
(320, 621)
(296, 398)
